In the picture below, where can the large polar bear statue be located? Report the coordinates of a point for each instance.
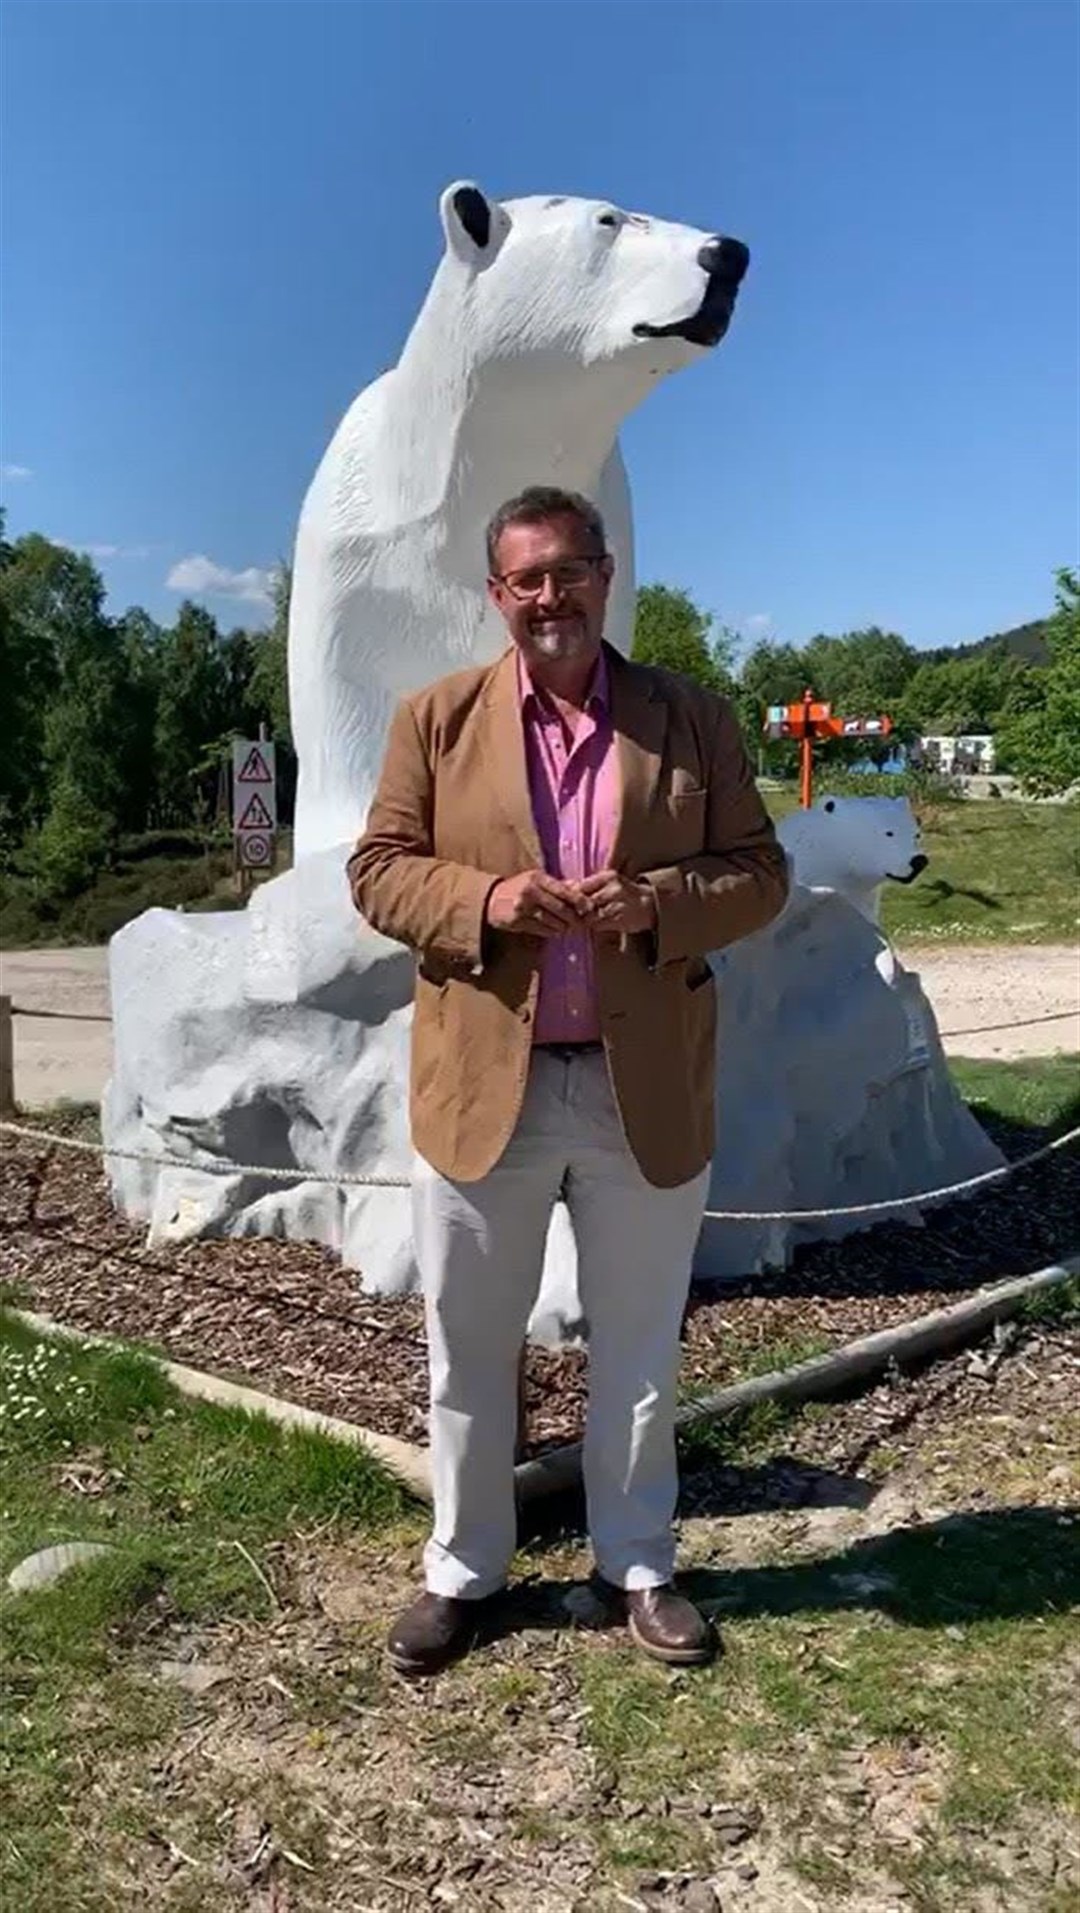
(277, 1037)
(548, 320)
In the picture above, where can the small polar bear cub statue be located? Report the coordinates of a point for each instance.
(853, 845)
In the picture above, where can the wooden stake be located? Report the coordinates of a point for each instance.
(7, 1058)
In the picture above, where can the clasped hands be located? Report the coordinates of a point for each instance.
(605, 904)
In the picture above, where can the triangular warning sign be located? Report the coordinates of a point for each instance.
(255, 769)
(256, 816)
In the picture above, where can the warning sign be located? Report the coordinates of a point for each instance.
(254, 788)
(255, 815)
(255, 769)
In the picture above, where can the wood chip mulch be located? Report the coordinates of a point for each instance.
(286, 1317)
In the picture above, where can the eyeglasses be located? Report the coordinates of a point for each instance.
(570, 574)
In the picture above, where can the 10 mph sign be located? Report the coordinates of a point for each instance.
(254, 806)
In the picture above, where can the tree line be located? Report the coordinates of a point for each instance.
(1031, 709)
(121, 726)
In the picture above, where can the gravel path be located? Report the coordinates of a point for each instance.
(1033, 989)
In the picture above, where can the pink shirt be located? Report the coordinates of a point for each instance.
(574, 788)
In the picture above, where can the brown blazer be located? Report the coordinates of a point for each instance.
(452, 815)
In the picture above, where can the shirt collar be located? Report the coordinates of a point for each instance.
(599, 696)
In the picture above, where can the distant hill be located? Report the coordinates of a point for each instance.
(1025, 641)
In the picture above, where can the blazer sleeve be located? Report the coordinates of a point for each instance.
(397, 883)
(740, 882)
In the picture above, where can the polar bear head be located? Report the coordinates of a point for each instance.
(582, 279)
(854, 844)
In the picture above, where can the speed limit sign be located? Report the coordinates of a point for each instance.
(256, 848)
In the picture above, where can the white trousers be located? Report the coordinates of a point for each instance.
(480, 1246)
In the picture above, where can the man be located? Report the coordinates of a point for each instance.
(561, 837)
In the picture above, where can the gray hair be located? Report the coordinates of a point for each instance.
(535, 506)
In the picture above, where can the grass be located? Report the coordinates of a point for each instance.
(742, 1438)
(926, 1665)
(999, 873)
(191, 1500)
(1040, 1093)
(912, 1677)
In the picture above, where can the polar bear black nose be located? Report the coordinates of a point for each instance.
(724, 258)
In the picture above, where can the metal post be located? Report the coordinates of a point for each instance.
(806, 755)
(7, 1058)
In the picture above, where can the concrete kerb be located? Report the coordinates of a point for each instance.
(860, 1361)
(403, 1459)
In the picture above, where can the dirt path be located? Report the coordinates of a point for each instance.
(1034, 990)
(55, 1059)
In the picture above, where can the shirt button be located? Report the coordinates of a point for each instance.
(573, 956)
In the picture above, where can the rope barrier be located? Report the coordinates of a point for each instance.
(345, 1179)
(61, 1016)
(975, 1029)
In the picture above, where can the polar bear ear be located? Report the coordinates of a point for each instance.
(467, 220)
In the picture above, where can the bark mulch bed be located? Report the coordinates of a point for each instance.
(288, 1318)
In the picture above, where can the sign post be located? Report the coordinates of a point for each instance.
(811, 722)
(254, 805)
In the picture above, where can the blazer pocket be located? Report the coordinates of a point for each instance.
(680, 801)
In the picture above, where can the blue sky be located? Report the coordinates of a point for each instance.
(219, 220)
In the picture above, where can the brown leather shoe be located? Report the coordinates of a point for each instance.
(431, 1633)
(664, 1624)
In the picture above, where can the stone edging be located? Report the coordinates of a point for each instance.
(408, 1463)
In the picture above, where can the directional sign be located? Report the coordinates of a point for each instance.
(254, 792)
(813, 722)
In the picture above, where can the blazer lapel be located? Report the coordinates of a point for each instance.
(639, 719)
(504, 751)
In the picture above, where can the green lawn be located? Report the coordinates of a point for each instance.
(999, 872)
(1038, 1092)
(893, 1707)
(191, 1500)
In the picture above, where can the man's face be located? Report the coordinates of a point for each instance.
(552, 589)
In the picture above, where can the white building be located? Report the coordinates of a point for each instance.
(967, 756)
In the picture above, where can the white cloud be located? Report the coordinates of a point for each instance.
(15, 472)
(202, 576)
(109, 551)
(758, 625)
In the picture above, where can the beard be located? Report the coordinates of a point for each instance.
(560, 640)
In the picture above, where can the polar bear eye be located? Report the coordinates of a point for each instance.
(890, 833)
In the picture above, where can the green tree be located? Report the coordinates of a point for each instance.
(50, 609)
(268, 688)
(140, 640)
(1042, 743)
(192, 719)
(672, 631)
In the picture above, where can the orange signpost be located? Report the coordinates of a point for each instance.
(812, 722)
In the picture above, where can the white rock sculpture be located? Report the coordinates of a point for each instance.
(279, 1036)
(854, 844)
(548, 320)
